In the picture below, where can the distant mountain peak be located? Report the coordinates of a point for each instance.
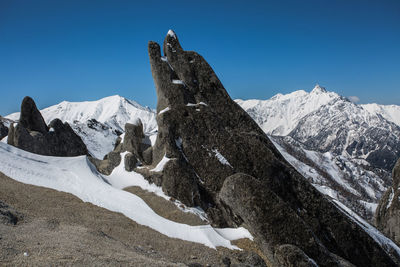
(318, 89)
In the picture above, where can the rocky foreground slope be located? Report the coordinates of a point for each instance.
(44, 227)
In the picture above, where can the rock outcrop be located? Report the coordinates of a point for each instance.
(387, 216)
(3, 129)
(32, 134)
(210, 153)
(134, 143)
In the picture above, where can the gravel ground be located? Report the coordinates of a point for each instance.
(56, 228)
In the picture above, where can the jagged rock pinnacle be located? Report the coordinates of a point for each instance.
(212, 150)
(30, 116)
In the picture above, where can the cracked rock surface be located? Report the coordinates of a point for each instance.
(210, 153)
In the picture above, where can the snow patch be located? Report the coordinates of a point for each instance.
(4, 140)
(391, 196)
(160, 166)
(76, 175)
(221, 158)
(178, 82)
(171, 33)
(164, 110)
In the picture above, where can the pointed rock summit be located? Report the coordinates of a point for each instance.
(31, 118)
(210, 153)
(319, 89)
(32, 134)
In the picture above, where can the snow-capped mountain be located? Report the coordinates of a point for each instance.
(324, 121)
(280, 114)
(345, 150)
(100, 122)
(389, 112)
(113, 112)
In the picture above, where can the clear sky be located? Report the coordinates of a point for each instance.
(85, 50)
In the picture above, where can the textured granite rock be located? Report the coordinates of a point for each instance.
(108, 164)
(32, 134)
(3, 130)
(30, 117)
(134, 139)
(130, 162)
(205, 137)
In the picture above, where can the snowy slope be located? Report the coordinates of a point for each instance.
(389, 112)
(324, 121)
(77, 176)
(345, 128)
(281, 114)
(337, 176)
(346, 150)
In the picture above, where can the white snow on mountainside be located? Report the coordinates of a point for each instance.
(389, 112)
(280, 114)
(100, 122)
(344, 149)
(76, 175)
(113, 111)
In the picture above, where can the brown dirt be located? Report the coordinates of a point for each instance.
(59, 229)
(165, 208)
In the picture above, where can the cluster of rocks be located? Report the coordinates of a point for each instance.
(387, 216)
(32, 134)
(210, 153)
(134, 143)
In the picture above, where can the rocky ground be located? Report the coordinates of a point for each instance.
(56, 228)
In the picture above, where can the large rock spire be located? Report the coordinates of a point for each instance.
(210, 153)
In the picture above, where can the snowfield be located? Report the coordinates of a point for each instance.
(76, 175)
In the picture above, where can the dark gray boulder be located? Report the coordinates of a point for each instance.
(63, 141)
(205, 137)
(134, 139)
(387, 215)
(3, 129)
(33, 135)
(130, 162)
(30, 117)
(108, 164)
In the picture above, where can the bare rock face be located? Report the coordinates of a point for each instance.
(33, 135)
(133, 143)
(3, 130)
(30, 117)
(210, 153)
(130, 162)
(134, 139)
(388, 212)
(108, 164)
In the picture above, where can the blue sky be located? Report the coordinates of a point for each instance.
(85, 50)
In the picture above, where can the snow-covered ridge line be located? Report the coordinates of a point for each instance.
(76, 175)
(280, 114)
(113, 111)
